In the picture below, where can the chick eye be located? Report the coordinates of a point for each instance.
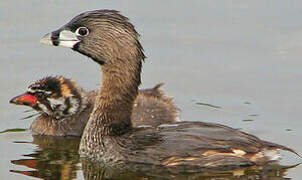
(82, 31)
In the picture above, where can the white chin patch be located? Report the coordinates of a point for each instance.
(67, 39)
(68, 44)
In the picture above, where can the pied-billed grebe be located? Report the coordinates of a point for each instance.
(66, 107)
(110, 39)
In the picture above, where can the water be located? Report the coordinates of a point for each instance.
(240, 56)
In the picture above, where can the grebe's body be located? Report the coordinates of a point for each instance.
(110, 39)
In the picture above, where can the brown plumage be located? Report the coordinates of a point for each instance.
(57, 157)
(62, 116)
(111, 40)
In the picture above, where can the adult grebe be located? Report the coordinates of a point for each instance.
(110, 39)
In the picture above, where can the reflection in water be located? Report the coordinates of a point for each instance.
(57, 158)
(13, 130)
(95, 171)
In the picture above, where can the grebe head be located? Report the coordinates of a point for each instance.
(58, 97)
(106, 36)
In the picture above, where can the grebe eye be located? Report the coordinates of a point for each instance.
(82, 31)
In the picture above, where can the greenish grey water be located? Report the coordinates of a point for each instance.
(241, 56)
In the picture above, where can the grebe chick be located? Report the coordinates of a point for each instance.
(65, 107)
(109, 39)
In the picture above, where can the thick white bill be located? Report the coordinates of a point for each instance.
(46, 40)
(66, 39)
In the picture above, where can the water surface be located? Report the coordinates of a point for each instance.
(232, 62)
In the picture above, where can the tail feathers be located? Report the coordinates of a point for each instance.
(154, 92)
(159, 85)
